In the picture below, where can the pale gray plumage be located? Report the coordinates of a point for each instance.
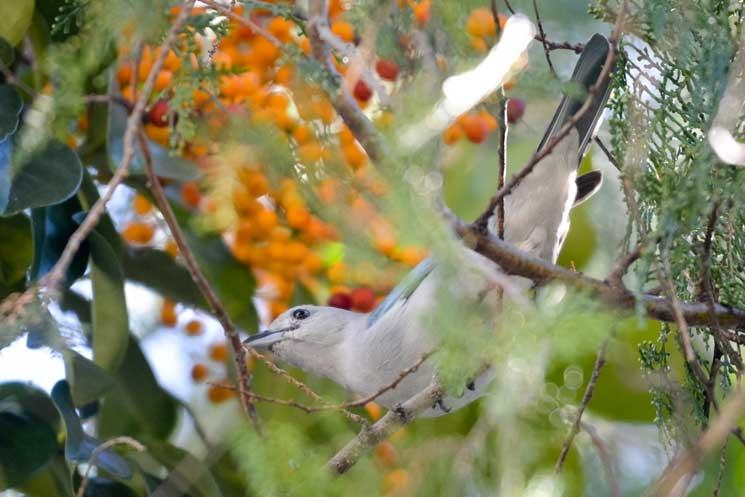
(366, 352)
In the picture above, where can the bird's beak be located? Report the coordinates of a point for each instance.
(264, 339)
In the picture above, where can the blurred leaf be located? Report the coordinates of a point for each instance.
(15, 19)
(16, 253)
(137, 405)
(187, 475)
(87, 196)
(68, 12)
(78, 445)
(10, 110)
(164, 164)
(52, 479)
(46, 177)
(53, 226)
(28, 437)
(110, 319)
(7, 53)
(87, 380)
(301, 295)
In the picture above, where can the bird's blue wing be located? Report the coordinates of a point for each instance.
(404, 289)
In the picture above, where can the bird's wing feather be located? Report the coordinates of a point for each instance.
(403, 290)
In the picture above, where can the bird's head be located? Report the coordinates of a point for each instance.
(307, 334)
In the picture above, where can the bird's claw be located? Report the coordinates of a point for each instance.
(401, 413)
(440, 404)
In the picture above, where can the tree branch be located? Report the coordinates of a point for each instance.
(201, 281)
(388, 424)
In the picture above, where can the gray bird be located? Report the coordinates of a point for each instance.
(365, 352)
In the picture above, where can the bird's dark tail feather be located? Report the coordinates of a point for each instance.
(586, 73)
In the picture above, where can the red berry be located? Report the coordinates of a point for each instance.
(362, 91)
(363, 299)
(158, 114)
(341, 300)
(387, 69)
(515, 109)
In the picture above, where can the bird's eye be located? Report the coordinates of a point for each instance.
(300, 313)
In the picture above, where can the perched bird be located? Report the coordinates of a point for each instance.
(365, 352)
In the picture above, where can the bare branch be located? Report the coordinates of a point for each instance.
(201, 281)
(615, 277)
(542, 35)
(586, 398)
(607, 153)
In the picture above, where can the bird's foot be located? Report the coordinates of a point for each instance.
(401, 413)
(441, 405)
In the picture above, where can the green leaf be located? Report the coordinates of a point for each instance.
(186, 474)
(28, 438)
(103, 487)
(15, 19)
(16, 253)
(52, 479)
(301, 295)
(46, 177)
(164, 164)
(53, 226)
(137, 405)
(110, 319)
(87, 380)
(10, 110)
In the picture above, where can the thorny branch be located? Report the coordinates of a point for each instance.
(201, 281)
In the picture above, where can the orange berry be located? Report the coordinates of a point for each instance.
(172, 248)
(313, 263)
(280, 28)
(141, 205)
(277, 101)
(304, 44)
(146, 63)
(310, 152)
(168, 313)
(218, 394)
(190, 194)
(194, 328)
(159, 134)
(478, 44)
(266, 220)
(489, 120)
(163, 80)
(421, 12)
(199, 372)
(396, 481)
(302, 134)
(172, 62)
(296, 252)
(481, 23)
(386, 454)
(219, 352)
(258, 185)
(244, 203)
(277, 307)
(285, 74)
(138, 232)
(474, 127)
(264, 51)
(124, 74)
(354, 155)
(373, 410)
(297, 217)
(412, 255)
(337, 272)
(343, 30)
(452, 133)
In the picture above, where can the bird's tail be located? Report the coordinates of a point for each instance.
(586, 74)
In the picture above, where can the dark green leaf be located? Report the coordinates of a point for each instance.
(10, 110)
(137, 405)
(110, 319)
(7, 53)
(16, 252)
(53, 226)
(103, 487)
(165, 165)
(159, 271)
(52, 479)
(28, 437)
(88, 380)
(48, 176)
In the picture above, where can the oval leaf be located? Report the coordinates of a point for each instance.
(10, 110)
(49, 176)
(16, 253)
(15, 18)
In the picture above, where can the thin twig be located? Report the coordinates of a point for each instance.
(483, 219)
(548, 44)
(543, 41)
(57, 273)
(607, 153)
(722, 467)
(502, 125)
(615, 277)
(586, 398)
(129, 441)
(201, 281)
